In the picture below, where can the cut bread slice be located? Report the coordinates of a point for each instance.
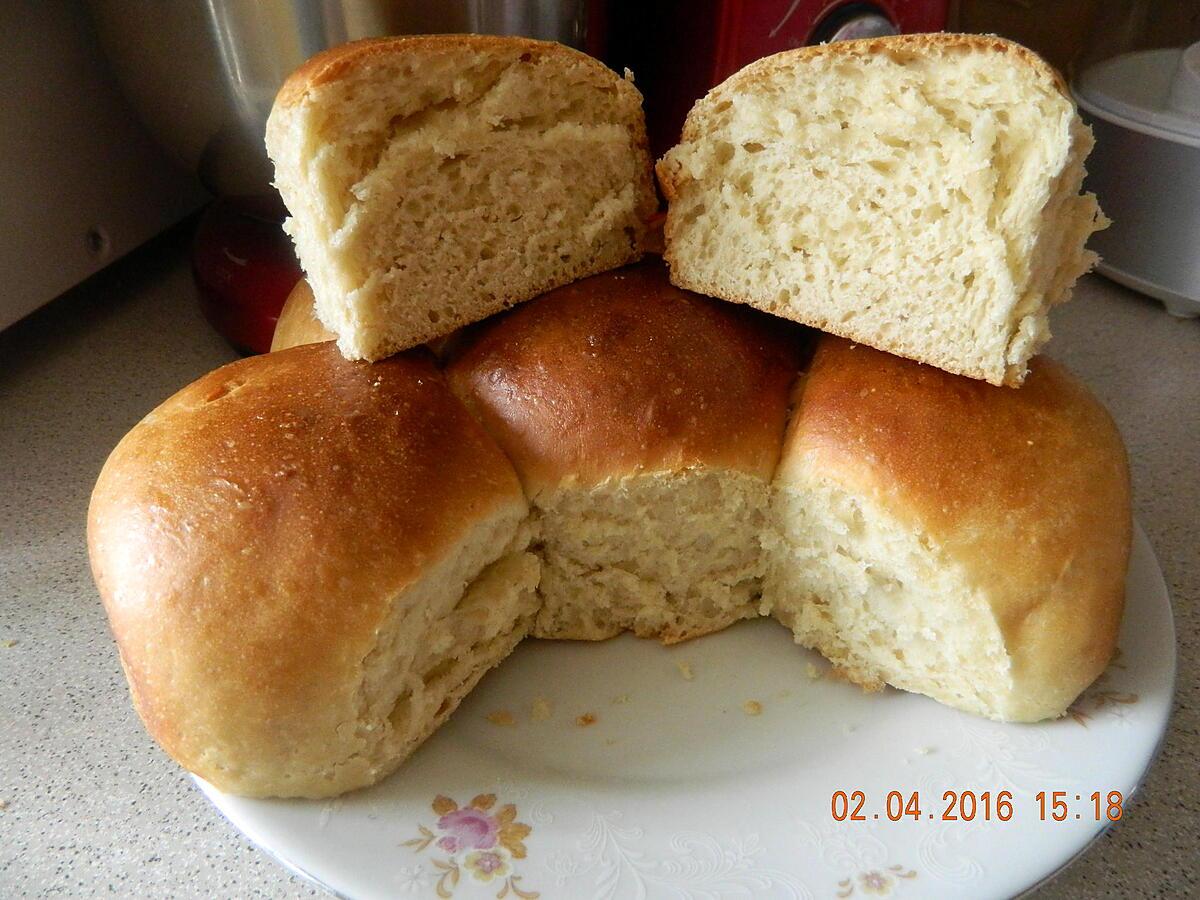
(919, 194)
(433, 181)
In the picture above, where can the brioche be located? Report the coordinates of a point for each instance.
(919, 194)
(645, 424)
(435, 180)
(948, 537)
(298, 323)
(307, 563)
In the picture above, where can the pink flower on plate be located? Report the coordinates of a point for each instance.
(486, 865)
(467, 828)
(876, 883)
(481, 838)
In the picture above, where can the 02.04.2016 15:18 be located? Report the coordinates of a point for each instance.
(967, 806)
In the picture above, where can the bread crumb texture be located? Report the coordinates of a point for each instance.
(502, 717)
(585, 720)
(433, 181)
(752, 708)
(671, 555)
(919, 194)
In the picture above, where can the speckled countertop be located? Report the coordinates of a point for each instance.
(91, 806)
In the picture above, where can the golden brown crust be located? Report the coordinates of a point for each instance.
(298, 323)
(1027, 489)
(343, 60)
(248, 536)
(623, 372)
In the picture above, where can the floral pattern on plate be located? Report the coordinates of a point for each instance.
(878, 881)
(859, 851)
(479, 842)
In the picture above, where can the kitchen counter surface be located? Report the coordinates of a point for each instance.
(90, 805)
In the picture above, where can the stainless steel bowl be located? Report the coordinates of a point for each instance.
(1144, 109)
(203, 75)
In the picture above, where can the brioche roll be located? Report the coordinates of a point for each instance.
(307, 563)
(645, 423)
(949, 537)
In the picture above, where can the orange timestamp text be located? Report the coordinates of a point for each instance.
(969, 806)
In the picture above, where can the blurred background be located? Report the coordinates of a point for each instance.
(133, 115)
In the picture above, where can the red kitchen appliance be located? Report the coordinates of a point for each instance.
(678, 49)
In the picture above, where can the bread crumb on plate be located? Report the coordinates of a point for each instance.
(501, 717)
(541, 710)
(685, 669)
(752, 708)
(585, 720)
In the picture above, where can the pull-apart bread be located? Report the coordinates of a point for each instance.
(433, 181)
(308, 561)
(918, 193)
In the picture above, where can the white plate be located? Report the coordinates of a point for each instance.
(676, 790)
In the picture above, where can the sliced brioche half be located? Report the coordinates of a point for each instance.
(645, 423)
(919, 194)
(307, 563)
(433, 181)
(948, 537)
